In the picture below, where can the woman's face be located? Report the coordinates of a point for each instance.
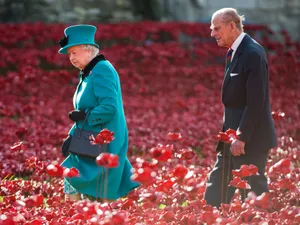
(79, 57)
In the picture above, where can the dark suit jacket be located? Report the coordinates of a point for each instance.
(245, 95)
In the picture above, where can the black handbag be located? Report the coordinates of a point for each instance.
(81, 145)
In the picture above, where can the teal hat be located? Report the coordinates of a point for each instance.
(82, 34)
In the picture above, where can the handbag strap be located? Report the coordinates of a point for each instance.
(87, 113)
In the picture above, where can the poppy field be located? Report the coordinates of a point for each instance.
(171, 76)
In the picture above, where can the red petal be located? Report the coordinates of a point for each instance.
(174, 136)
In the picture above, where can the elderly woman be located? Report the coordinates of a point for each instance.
(99, 91)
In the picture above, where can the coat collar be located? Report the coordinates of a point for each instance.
(86, 71)
(238, 41)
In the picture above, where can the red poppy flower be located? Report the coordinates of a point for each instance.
(29, 203)
(209, 217)
(55, 170)
(9, 220)
(73, 172)
(78, 216)
(239, 183)
(141, 163)
(31, 162)
(38, 200)
(145, 176)
(174, 136)
(162, 152)
(243, 185)
(86, 208)
(282, 166)
(235, 181)
(286, 184)
(118, 218)
(18, 146)
(165, 186)
(96, 141)
(104, 137)
(245, 171)
(253, 169)
(263, 200)
(107, 135)
(179, 171)
(186, 154)
(107, 160)
(228, 136)
(277, 116)
(34, 222)
(34, 201)
(223, 137)
(168, 215)
(230, 132)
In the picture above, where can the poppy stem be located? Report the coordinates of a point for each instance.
(223, 175)
(105, 183)
(19, 166)
(50, 184)
(228, 177)
(105, 177)
(97, 185)
(102, 175)
(69, 191)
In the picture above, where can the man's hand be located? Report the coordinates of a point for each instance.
(237, 147)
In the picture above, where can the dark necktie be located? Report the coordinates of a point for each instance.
(228, 58)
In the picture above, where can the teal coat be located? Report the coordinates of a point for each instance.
(99, 89)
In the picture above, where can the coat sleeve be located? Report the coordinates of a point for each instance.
(105, 89)
(256, 88)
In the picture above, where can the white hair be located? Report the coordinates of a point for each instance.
(93, 49)
(231, 14)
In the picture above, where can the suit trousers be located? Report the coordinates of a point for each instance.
(217, 189)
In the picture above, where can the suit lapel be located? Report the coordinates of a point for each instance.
(236, 56)
(227, 73)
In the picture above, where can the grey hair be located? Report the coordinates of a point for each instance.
(231, 15)
(93, 49)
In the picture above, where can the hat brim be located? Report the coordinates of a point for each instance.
(65, 48)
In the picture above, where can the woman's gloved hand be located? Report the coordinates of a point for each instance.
(65, 146)
(76, 115)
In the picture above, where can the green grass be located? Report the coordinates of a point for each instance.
(162, 206)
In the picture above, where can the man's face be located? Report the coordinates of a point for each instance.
(222, 31)
(78, 57)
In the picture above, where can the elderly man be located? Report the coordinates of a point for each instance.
(245, 96)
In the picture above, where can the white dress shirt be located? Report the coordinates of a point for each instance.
(236, 43)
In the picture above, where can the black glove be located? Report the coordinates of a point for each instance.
(76, 115)
(65, 146)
